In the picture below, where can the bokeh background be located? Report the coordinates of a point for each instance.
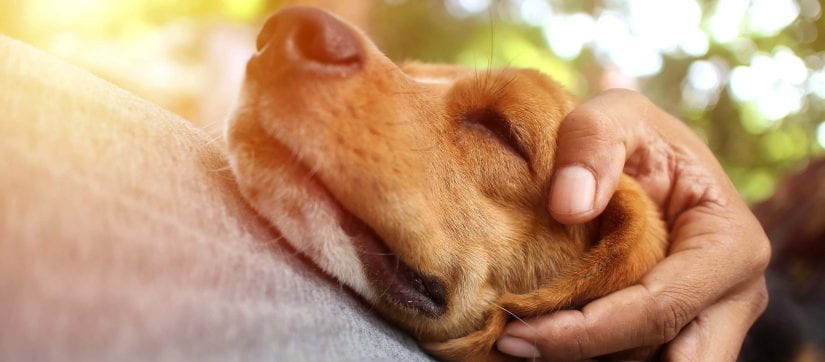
(747, 75)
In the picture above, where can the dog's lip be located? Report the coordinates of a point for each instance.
(398, 281)
(395, 281)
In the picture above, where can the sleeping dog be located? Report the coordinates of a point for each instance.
(424, 187)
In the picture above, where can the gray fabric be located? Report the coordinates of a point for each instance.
(123, 237)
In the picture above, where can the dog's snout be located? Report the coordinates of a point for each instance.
(313, 35)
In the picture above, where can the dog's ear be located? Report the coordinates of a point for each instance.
(630, 239)
(477, 346)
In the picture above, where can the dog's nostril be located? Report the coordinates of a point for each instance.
(324, 39)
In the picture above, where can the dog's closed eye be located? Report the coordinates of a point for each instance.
(494, 125)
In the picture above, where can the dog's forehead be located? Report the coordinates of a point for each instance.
(443, 72)
(488, 84)
(433, 80)
(508, 90)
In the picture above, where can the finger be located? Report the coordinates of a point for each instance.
(593, 143)
(718, 332)
(611, 324)
(648, 314)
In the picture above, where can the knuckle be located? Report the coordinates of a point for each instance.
(754, 254)
(762, 256)
(628, 96)
(672, 312)
(585, 122)
(588, 136)
(624, 93)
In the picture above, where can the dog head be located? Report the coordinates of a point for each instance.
(422, 187)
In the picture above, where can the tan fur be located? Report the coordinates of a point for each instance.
(391, 146)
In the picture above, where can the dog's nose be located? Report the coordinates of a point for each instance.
(324, 39)
(315, 36)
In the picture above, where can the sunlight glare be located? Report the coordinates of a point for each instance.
(466, 8)
(769, 17)
(695, 43)
(243, 10)
(726, 22)
(776, 84)
(534, 12)
(615, 45)
(816, 83)
(568, 34)
(76, 15)
(704, 81)
(704, 75)
(793, 68)
(666, 25)
(743, 83)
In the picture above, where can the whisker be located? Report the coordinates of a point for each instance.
(516, 317)
(488, 84)
(498, 92)
(492, 40)
(536, 330)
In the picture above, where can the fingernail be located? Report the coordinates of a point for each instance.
(573, 191)
(517, 347)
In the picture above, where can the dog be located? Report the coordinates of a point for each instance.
(424, 188)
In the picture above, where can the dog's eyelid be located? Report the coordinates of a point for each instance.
(496, 124)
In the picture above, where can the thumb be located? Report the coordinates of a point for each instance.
(593, 143)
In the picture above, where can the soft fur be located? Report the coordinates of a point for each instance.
(413, 152)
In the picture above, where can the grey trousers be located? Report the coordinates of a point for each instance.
(123, 237)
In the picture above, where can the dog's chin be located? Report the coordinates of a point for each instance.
(316, 224)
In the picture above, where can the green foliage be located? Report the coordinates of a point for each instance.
(755, 141)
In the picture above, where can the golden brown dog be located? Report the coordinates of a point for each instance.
(424, 187)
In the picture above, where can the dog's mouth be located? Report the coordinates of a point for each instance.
(394, 279)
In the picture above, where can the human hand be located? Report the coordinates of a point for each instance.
(703, 297)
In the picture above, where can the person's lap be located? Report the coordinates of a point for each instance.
(122, 236)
